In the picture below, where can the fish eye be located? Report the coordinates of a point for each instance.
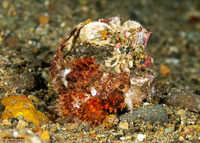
(110, 120)
(121, 86)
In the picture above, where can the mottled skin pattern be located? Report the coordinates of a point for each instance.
(76, 98)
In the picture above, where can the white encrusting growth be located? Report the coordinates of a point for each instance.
(66, 71)
(78, 102)
(93, 91)
(76, 105)
(63, 76)
(129, 98)
(133, 96)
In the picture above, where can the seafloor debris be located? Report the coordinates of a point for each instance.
(151, 113)
(21, 105)
(184, 98)
(101, 67)
(14, 135)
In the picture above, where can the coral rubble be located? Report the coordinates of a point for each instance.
(101, 67)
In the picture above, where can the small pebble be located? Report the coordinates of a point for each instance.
(181, 112)
(123, 125)
(151, 113)
(117, 135)
(37, 130)
(45, 135)
(5, 4)
(19, 62)
(125, 138)
(6, 123)
(15, 134)
(33, 98)
(72, 126)
(168, 130)
(53, 128)
(181, 138)
(25, 81)
(184, 98)
(12, 42)
(164, 70)
(141, 137)
(21, 124)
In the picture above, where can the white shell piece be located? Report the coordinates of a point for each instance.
(116, 23)
(89, 32)
(108, 62)
(138, 81)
